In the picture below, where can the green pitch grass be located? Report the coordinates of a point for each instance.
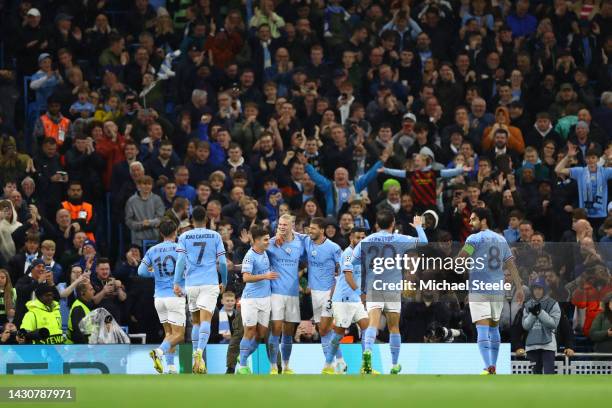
(118, 391)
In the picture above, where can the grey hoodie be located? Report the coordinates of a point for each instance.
(137, 210)
(541, 328)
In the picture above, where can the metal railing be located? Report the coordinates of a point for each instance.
(579, 363)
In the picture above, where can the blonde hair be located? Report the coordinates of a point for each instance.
(48, 244)
(287, 217)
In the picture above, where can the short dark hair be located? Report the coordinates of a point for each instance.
(167, 227)
(198, 214)
(75, 183)
(484, 214)
(357, 230)
(102, 261)
(179, 203)
(258, 231)
(592, 152)
(516, 214)
(385, 219)
(502, 131)
(82, 288)
(49, 140)
(319, 222)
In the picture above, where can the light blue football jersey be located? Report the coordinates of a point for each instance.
(256, 264)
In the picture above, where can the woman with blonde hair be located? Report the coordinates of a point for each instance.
(8, 296)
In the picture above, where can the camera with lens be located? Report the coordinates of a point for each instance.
(437, 333)
(41, 334)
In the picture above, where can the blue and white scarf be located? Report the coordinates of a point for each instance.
(591, 200)
(224, 325)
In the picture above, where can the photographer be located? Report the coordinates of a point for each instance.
(42, 324)
(8, 335)
(541, 317)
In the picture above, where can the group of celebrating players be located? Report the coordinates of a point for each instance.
(186, 270)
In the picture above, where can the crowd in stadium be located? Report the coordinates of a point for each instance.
(117, 114)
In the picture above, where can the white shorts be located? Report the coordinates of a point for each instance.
(486, 310)
(391, 307)
(171, 310)
(388, 302)
(285, 308)
(347, 313)
(202, 297)
(321, 304)
(255, 311)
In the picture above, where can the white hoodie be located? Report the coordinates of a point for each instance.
(7, 227)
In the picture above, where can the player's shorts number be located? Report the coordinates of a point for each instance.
(329, 305)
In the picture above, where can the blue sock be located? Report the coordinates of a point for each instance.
(338, 350)
(370, 337)
(363, 341)
(169, 358)
(395, 343)
(204, 335)
(254, 345)
(286, 346)
(245, 351)
(333, 347)
(325, 340)
(273, 348)
(195, 336)
(495, 339)
(165, 346)
(484, 344)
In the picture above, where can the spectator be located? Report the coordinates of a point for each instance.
(540, 318)
(222, 321)
(52, 124)
(338, 192)
(110, 293)
(8, 296)
(80, 308)
(143, 212)
(45, 81)
(601, 329)
(8, 225)
(27, 285)
(21, 262)
(592, 198)
(47, 248)
(81, 212)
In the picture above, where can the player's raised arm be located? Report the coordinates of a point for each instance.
(417, 224)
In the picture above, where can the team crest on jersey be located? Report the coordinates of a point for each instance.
(314, 253)
(288, 250)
